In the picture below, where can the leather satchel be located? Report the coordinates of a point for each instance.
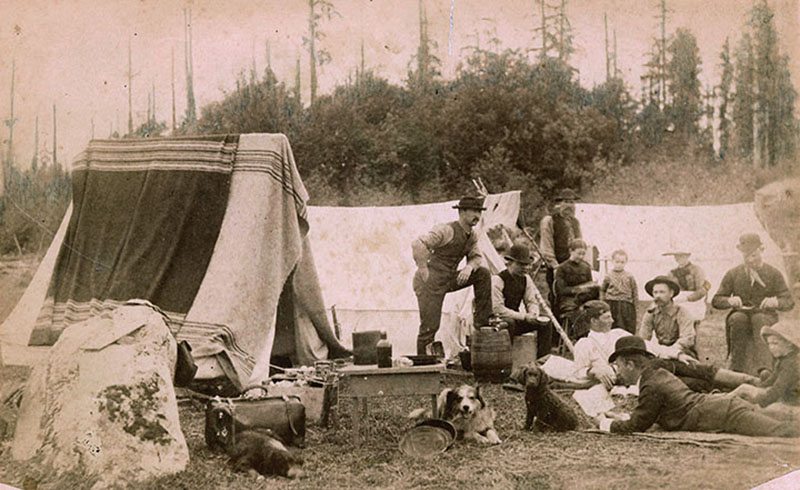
(284, 415)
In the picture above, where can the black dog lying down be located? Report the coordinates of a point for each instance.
(260, 450)
(545, 408)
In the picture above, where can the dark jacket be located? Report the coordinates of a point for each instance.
(736, 282)
(784, 384)
(663, 399)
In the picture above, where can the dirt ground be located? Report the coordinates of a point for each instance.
(524, 460)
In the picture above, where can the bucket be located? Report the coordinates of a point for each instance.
(491, 354)
(364, 347)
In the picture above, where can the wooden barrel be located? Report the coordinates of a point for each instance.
(491, 354)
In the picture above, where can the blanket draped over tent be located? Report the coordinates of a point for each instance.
(209, 229)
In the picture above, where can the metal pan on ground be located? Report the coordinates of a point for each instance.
(429, 437)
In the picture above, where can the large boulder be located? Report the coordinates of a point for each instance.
(777, 206)
(102, 403)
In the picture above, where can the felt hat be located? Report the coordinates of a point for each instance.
(675, 252)
(630, 344)
(790, 333)
(662, 280)
(566, 194)
(749, 243)
(519, 253)
(470, 202)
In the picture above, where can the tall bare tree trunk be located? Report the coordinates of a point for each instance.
(312, 50)
(608, 58)
(130, 87)
(172, 76)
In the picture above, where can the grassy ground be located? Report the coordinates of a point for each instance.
(524, 460)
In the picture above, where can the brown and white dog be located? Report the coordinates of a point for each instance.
(467, 411)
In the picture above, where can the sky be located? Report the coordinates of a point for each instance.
(73, 53)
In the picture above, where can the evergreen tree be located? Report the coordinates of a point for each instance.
(682, 74)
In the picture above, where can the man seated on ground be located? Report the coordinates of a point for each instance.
(593, 351)
(755, 291)
(573, 284)
(780, 392)
(666, 401)
(514, 287)
(666, 325)
(437, 255)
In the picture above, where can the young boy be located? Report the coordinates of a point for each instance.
(620, 291)
(780, 393)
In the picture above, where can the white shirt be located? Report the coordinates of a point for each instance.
(594, 350)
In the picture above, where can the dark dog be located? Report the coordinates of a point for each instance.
(545, 408)
(260, 450)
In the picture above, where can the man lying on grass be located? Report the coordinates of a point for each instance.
(667, 401)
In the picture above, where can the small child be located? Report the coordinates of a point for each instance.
(780, 392)
(620, 291)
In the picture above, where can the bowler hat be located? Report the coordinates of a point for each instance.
(470, 202)
(662, 280)
(567, 194)
(627, 345)
(749, 243)
(519, 253)
(782, 329)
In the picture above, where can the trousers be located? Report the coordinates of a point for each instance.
(430, 296)
(544, 334)
(721, 413)
(748, 352)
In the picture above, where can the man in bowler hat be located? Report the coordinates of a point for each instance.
(754, 291)
(437, 255)
(666, 400)
(510, 289)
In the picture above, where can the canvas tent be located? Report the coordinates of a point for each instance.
(210, 229)
(365, 268)
(710, 233)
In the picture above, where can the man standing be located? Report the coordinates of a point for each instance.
(755, 291)
(437, 255)
(514, 287)
(694, 285)
(665, 400)
(557, 230)
(666, 325)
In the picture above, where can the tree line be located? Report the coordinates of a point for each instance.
(520, 119)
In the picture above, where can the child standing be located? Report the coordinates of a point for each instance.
(620, 291)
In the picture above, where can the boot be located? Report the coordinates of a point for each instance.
(725, 378)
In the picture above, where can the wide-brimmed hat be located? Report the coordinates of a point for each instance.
(566, 194)
(662, 280)
(470, 202)
(519, 253)
(675, 252)
(790, 333)
(749, 243)
(630, 344)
